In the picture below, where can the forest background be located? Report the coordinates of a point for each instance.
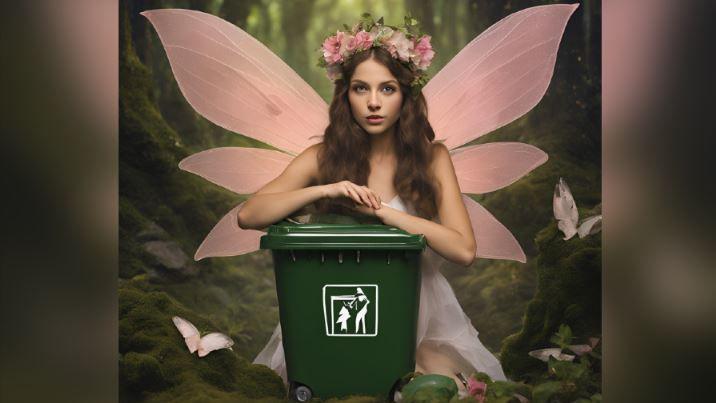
(165, 213)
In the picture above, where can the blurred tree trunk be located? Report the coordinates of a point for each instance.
(266, 21)
(449, 23)
(423, 11)
(482, 14)
(295, 16)
(236, 12)
(203, 5)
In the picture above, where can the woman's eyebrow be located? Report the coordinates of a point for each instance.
(384, 82)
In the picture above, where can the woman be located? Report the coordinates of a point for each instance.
(377, 153)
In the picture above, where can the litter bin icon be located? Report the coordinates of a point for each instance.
(348, 304)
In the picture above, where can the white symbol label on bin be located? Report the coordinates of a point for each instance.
(350, 310)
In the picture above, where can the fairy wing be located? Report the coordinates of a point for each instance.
(240, 169)
(487, 167)
(236, 82)
(498, 77)
(227, 239)
(493, 240)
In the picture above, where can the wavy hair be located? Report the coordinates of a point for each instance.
(344, 137)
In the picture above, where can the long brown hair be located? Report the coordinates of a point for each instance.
(346, 146)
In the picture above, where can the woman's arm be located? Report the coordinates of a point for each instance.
(453, 238)
(292, 190)
(284, 195)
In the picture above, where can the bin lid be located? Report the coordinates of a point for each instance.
(340, 236)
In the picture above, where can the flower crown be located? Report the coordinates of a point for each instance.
(406, 44)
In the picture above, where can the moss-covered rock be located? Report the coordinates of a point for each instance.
(155, 363)
(568, 292)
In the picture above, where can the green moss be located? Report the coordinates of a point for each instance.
(141, 372)
(155, 358)
(568, 292)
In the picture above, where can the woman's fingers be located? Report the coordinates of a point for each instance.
(364, 196)
(374, 197)
(353, 195)
(361, 194)
(369, 196)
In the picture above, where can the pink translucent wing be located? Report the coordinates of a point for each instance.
(493, 240)
(498, 77)
(227, 239)
(239, 169)
(487, 167)
(235, 81)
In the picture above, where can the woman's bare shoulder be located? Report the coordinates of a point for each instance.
(439, 155)
(308, 160)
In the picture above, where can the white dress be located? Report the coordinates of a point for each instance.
(441, 323)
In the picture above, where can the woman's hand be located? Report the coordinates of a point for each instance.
(362, 195)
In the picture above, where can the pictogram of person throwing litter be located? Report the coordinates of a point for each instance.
(361, 304)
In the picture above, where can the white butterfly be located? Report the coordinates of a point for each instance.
(206, 344)
(565, 211)
(544, 354)
(556, 352)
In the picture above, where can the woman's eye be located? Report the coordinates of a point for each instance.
(361, 88)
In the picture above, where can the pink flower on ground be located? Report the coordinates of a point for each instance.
(423, 53)
(476, 389)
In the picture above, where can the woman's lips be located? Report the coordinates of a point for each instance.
(375, 120)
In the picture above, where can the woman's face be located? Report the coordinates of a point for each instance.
(374, 92)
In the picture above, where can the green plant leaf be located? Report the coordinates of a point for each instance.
(544, 391)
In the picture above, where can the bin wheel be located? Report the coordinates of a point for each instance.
(394, 394)
(299, 392)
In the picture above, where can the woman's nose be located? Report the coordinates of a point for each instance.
(374, 102)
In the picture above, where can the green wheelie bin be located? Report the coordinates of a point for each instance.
(348, 304)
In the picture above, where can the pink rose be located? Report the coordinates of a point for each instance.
(381, 33)
(476, 389)
(344, 39)
(362, 41)
(331, 49)
(400, 45)
(423, 53)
